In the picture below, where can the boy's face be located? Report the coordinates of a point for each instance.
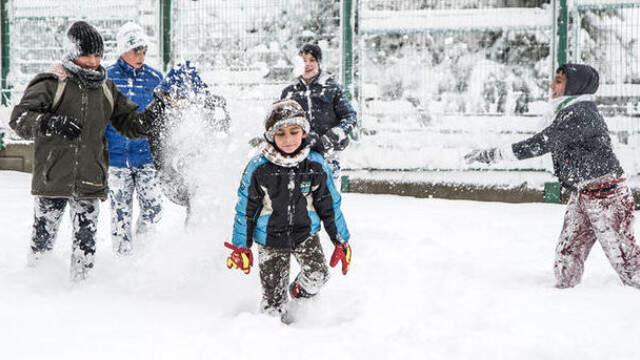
(311, 66)
(558, 85)
(89, 61)
(288, 139)
(135, 57)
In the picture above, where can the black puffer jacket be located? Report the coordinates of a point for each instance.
(324, 102)
(281, 207)
(578, 138)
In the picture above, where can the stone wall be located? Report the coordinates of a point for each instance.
(17, 157)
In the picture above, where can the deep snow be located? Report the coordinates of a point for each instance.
(431, 279)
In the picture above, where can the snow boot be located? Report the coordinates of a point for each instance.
(81, 265)
(35, 257)
(296, 291)
(122, 247)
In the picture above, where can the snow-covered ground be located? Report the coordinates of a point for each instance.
(431, 279)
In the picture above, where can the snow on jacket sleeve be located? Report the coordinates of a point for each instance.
(36, 101)
(344, 111)
(249, 204)
(327, 202)
(568, 128)
(125, 117)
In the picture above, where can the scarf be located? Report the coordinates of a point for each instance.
(276, 157)
(92, 79)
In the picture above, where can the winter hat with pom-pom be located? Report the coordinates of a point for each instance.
(284, 113)
(130, 36)
(84, 39)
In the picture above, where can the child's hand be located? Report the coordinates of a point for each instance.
(240, 258)
(485, 156)
(342, 252)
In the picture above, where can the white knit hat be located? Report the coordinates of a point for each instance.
(130, 36)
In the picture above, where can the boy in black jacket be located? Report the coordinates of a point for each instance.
(601, 205)
(284, 193)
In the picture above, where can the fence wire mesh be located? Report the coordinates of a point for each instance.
(37, 30)
(255, 42)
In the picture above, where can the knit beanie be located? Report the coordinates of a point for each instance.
(130, 36)
(84, 39)
(284, 113)
(312, 49)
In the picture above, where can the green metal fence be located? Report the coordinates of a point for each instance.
(432, 56)
(606, 34)
(33, 33)
(457, 56)
(255, 42)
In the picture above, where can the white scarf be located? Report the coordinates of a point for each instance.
(273, 155)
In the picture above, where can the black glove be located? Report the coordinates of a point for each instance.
(257, 141)
(62, 125)
(485, 156)
(315, 142)
(336, 139)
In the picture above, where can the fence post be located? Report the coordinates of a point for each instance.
(347, 46)
(563, 28)
(5, 48)
(165, 23)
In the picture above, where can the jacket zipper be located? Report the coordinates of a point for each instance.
(290, 205)
(78, 141)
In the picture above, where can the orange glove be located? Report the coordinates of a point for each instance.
(240, 258)
(342, 252)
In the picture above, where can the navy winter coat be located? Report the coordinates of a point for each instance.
(281, 207)
(578, 138)
(324, 102)
(138, 85)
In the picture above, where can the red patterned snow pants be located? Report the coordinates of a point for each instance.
(607, 218)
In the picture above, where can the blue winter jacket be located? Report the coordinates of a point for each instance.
(281, 207)
(137, 85)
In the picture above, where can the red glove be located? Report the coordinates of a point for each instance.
(240, 258)
(342, 252)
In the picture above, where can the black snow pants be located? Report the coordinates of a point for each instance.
(274, 273)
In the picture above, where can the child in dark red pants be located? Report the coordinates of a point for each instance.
(601, 205)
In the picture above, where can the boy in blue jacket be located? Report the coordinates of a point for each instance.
(131, 166)
(284, 194)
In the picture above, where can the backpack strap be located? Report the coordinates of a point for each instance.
(58, 95)
(63, 84)
(108, 94)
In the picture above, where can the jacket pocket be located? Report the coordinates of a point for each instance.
(58, 165)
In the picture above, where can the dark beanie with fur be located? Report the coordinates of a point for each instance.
(284, 113)
(85, 40)
(313, 50)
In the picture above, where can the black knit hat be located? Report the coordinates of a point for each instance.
(86, 39)
(313, 50)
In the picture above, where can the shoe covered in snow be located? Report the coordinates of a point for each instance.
(81, 265)
(35, 257)
(122, 248)
(286, 318)
(296, 291)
